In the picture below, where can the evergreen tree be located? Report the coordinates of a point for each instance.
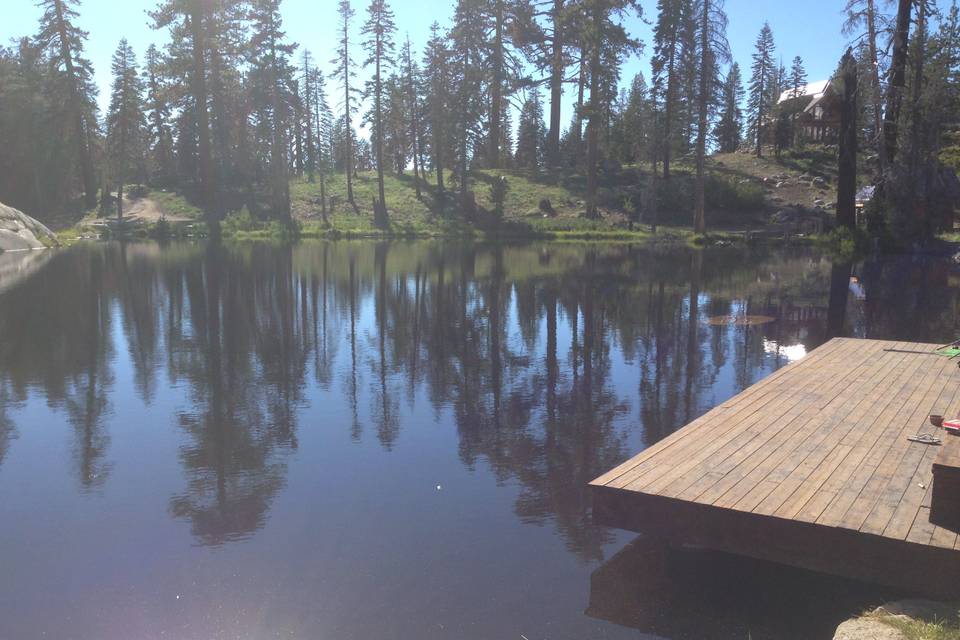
(863, 22)
(468, 45)
(763, 76)
(345, 74)
(125, 123)
(159, 138)
(63, 43)
(436, 67)
(798, 77)
(306, 83)
(323, 134)
(668, 46)
(272, 80)
(712, 48)
(729, 131)
(605, 41)
(378, 31)
(531, 132)
(411, 80)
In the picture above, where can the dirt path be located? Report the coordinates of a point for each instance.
(147, 211)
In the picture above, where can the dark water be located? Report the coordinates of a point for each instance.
(360, 440)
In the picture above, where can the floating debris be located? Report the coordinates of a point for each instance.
(740, 320)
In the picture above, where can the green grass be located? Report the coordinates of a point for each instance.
(175, 204)
(919, 630)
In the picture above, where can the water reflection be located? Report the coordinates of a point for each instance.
(541, 366)
(686, 593)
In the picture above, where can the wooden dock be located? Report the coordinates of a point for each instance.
(811, 467)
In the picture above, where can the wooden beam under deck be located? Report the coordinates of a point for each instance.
(811, 467)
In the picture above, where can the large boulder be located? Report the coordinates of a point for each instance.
(20, 232)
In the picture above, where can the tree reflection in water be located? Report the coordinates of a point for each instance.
(552, 363)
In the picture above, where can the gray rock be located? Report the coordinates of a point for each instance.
(819, 182)
(20, 232)
(867, 630)
(919, 609)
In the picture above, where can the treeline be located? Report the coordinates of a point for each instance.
(231, 108)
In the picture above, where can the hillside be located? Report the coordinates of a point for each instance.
(743, 193)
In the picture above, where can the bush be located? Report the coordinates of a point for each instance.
(137, 191)
(498, 194)
(726, 195)
(241, 221)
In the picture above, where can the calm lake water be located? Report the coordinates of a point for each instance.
(393, 440)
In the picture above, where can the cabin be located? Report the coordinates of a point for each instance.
(817, 110)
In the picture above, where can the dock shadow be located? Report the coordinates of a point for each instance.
(686, 593)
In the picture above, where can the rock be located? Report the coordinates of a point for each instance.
(819, 182)
(819, 202)
(919, 609)
(867, 629)
(872, 627)
(781, 184)
(20, 232)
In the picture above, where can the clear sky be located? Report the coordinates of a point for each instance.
(810, 29)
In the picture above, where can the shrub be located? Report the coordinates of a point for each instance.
(240, 221)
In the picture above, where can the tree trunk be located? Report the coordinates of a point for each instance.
(87, 172)
(593, 127)
(847, 166)
(414, 121)
(496, 90)
(380, 211)
(898, 66)
(200, 106)
(875, 67)
(581, 84)
(699, 217)
(346, 117)
(668, 107)
(556, 86)
(762, 90)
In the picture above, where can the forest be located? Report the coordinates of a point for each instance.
(231, 111)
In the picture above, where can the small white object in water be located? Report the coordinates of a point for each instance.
(178, 596)
(439, 487)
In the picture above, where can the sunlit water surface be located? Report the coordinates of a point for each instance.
(362, 440)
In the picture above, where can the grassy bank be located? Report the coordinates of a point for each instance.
(741, 193)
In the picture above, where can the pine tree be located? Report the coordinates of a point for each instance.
(125, 124)
(531, 133)
(345, 74)
(436, 67)
(306, 75)
(763, 76)
(467, 46)
(411, 78)
(63, 42)
(323, 134)
(729, 129)
(712, 49)
(605, 41)
(159, 138)
(667, 68)
(272, 78)
(862, 20)
(798, 78)
(378, 31)
(190, 48)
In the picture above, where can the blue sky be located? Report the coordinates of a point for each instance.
(810, 29)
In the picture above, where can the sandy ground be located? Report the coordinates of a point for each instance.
(147, 211)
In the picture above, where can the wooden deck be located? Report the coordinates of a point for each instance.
(810, 467)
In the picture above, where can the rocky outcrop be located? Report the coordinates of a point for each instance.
(873, 626)
(20, 232)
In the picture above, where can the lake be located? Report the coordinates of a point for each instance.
(393, 440)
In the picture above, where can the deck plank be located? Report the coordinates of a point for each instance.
(817, 453)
